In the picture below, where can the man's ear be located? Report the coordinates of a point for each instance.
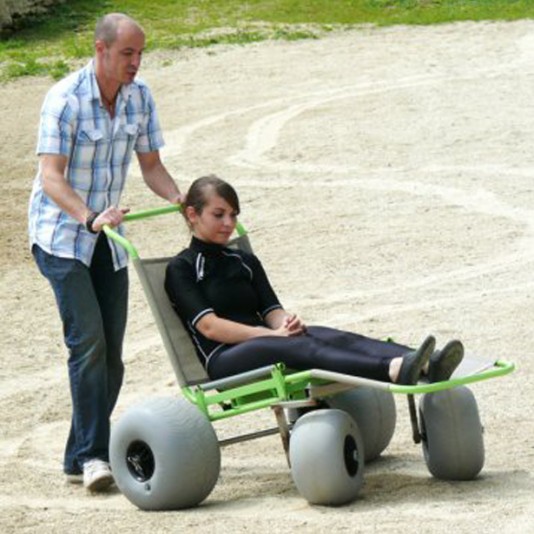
(100, 46)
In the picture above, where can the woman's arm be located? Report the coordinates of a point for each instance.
(225, 331)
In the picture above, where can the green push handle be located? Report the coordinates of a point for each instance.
(144, 214)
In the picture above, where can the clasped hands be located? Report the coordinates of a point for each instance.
(292, 325)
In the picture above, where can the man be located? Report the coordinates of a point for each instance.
(91, 123)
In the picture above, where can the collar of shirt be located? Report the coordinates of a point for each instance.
(209, 249)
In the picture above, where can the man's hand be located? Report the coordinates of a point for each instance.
(179, 198)
(112, 216)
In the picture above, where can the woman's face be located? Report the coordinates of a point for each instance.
(216, 223)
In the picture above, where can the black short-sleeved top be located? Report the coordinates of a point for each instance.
(207, 278)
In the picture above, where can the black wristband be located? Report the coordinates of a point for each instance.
(90, 220)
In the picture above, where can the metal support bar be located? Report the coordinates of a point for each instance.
(416, 434)
(248, 437)
(238, 380)
(284, 429)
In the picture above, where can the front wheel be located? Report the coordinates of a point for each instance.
(327, 457)
(164, 454)
(452, 433)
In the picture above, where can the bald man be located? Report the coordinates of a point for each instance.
(91, 123)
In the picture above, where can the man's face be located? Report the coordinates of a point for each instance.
(122, 59)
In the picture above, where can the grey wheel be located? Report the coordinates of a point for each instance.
(452, 433)
(327, 458)
(164, 454)
(375, 414)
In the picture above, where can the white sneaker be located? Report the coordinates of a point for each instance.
(97, 475)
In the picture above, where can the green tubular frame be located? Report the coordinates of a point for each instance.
(279, 386)
(282, 387)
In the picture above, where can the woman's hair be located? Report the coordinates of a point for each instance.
(200, 190)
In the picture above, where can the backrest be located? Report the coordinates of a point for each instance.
(180, 349)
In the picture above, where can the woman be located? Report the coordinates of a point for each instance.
(237, 323)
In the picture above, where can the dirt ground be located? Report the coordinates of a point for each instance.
(386, 177)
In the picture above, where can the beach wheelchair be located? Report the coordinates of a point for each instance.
(165, 453)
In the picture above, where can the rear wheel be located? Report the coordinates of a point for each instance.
(164, 454)
(375, 414)
(327, 457)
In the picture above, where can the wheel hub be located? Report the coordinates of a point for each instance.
(140, 461)
(351, 455)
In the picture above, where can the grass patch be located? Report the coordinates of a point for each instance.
(55, 43)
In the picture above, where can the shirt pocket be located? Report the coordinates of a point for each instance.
(89, 148)
(89, 135)
(131, 129)
(126, 131)
(124, 143)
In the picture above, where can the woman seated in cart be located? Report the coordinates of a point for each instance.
(237, 323)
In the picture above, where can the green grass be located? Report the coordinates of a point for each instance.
(54, 44)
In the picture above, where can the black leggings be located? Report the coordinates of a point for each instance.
(320, 348)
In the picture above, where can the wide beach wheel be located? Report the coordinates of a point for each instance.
(452, 433)
(327, 457)
(164, 454)
(375, 414)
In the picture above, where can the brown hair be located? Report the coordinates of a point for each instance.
(197, 195)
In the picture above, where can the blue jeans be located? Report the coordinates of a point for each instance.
(93, 306)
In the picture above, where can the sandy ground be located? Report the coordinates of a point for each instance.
(386, 178)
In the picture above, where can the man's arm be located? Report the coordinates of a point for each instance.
(157, 177)
(58, 189)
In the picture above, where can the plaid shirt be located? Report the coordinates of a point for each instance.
(99, 149)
